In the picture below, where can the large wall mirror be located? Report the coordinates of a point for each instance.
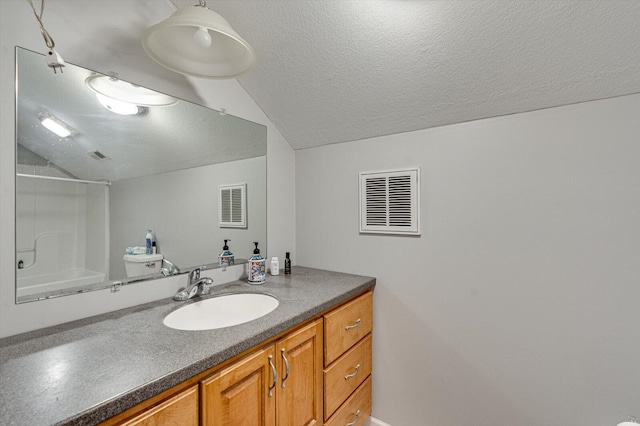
(101, 161)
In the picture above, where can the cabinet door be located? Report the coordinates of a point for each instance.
(242, 394)
(299, 401)
(179, 410)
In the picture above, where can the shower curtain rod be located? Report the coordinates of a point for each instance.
(100, 182)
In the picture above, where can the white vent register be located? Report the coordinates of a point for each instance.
(232, 206)
(389, 202)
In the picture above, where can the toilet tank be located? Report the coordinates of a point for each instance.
(142, 264)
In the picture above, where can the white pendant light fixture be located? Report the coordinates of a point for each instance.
(632, 421)
(197, 41)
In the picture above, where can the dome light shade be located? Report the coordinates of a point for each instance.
(171, 43)
(119, 107)
(114, 88)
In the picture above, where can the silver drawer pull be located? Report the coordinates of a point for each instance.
(275, 375)
(356, 325)
(355, 373)
(354, 420)
(286, 366)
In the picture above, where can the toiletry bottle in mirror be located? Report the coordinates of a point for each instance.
(226, 257)
(149, 239)
(256, 267)
(287, 264)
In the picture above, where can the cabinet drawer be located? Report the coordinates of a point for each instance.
(356, 410)
(345, 375)
(179, 410)
(345, 326)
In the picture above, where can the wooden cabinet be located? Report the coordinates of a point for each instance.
(356, 409)
(344, 376)
(346, 326)
(241, 394)
(348, 364)
(299, 393)
(277, 385)
(179, 410)
(319, 373)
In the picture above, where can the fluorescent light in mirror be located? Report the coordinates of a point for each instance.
(56, 125)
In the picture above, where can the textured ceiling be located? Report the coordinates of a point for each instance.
(335, 71)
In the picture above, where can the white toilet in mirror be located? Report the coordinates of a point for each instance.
(142, 264)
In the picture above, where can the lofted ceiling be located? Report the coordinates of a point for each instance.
(331, 71)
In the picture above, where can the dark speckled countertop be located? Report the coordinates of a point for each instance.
(83, 372)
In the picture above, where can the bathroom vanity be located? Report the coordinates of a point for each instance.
(308, 362)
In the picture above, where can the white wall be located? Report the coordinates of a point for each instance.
(185, 223)
(518, 305)
(104, 35)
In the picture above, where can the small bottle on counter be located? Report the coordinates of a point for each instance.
(149, 240)
(287, 264)
(275, 266)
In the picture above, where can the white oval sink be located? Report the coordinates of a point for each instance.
(222, 311)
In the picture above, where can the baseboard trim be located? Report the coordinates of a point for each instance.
(375, 422)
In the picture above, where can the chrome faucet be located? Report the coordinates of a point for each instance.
(196, 286)
(170, 269)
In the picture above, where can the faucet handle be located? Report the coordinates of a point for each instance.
(194, 275)
(205, 285)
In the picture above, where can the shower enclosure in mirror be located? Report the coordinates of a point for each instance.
(124, 160)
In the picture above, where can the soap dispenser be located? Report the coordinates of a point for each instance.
(256, 267)
(226, 257)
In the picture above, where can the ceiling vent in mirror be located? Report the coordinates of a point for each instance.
(97, 155)
(232, 206)
(390, 202)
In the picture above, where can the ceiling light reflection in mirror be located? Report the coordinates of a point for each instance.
(124, 98)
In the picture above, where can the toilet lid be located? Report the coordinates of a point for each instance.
(140, 258)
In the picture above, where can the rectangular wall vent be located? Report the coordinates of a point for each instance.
(389, 202)
(232, 206)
